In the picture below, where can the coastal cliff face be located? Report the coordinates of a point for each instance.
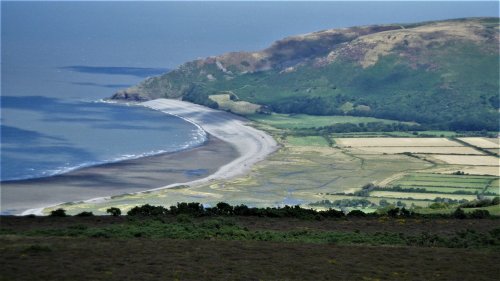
(443, 73)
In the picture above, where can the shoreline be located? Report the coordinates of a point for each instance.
(251, 145)
(118, 178)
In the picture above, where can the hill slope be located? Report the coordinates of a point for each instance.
(443, 74)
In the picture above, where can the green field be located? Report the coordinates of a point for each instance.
(446, 134)
(493, 210)
(441, 180)
(376, 200)
(301, 121)
(421, 196)
(447, 178)
(307, 141)
(443, 189)
(472, 185)
(447, 185)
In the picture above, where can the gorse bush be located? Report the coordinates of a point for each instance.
(85, 214)
(58, 213)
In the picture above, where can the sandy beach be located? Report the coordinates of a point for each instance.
(232, 149)
(252, 145)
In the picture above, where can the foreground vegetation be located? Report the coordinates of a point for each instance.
(190, 242)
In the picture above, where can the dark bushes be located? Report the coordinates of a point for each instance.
(147, 211)
(114, 211)
(58, 213)
(85, 214)
(224, 209)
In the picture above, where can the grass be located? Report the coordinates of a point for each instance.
(446, 134)
(446, 184)
(307, 141)
(443, 189)
(472, 185)
(448, 178)
(428, 196)
(302, 121)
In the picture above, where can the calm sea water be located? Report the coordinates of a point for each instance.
(58, 58)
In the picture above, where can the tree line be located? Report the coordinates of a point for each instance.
(195, 209)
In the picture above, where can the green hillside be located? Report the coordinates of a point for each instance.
(443, 75)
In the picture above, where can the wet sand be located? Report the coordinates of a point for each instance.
(118, 178)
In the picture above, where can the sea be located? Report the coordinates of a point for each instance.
(61, 60)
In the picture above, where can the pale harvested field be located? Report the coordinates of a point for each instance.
(399, 142)
(494, 150)
(476, 170)
(482, 142)
(416, 149)
(414, 195)
(471, 160)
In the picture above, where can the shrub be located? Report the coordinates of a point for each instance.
(495, 201)
(439, 205)
(37, 249)
(332, 213)
(459, 214)
(356, 213)
(58, 213)
(480, 214)
(394, 212)
(85, 214)
(114, 211)
(147, 211)
(478, 203)
(397, 212)
(183, 218)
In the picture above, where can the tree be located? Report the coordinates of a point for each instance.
(114, 211)
(383, 203)
(58, 213)
(459, 214)
(225, 209)
(147, 211)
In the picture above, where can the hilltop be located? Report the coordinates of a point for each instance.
(441, 74)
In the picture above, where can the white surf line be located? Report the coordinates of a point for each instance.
(253, 145)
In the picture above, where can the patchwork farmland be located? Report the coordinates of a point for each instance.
(462, 170)
(355, 170)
